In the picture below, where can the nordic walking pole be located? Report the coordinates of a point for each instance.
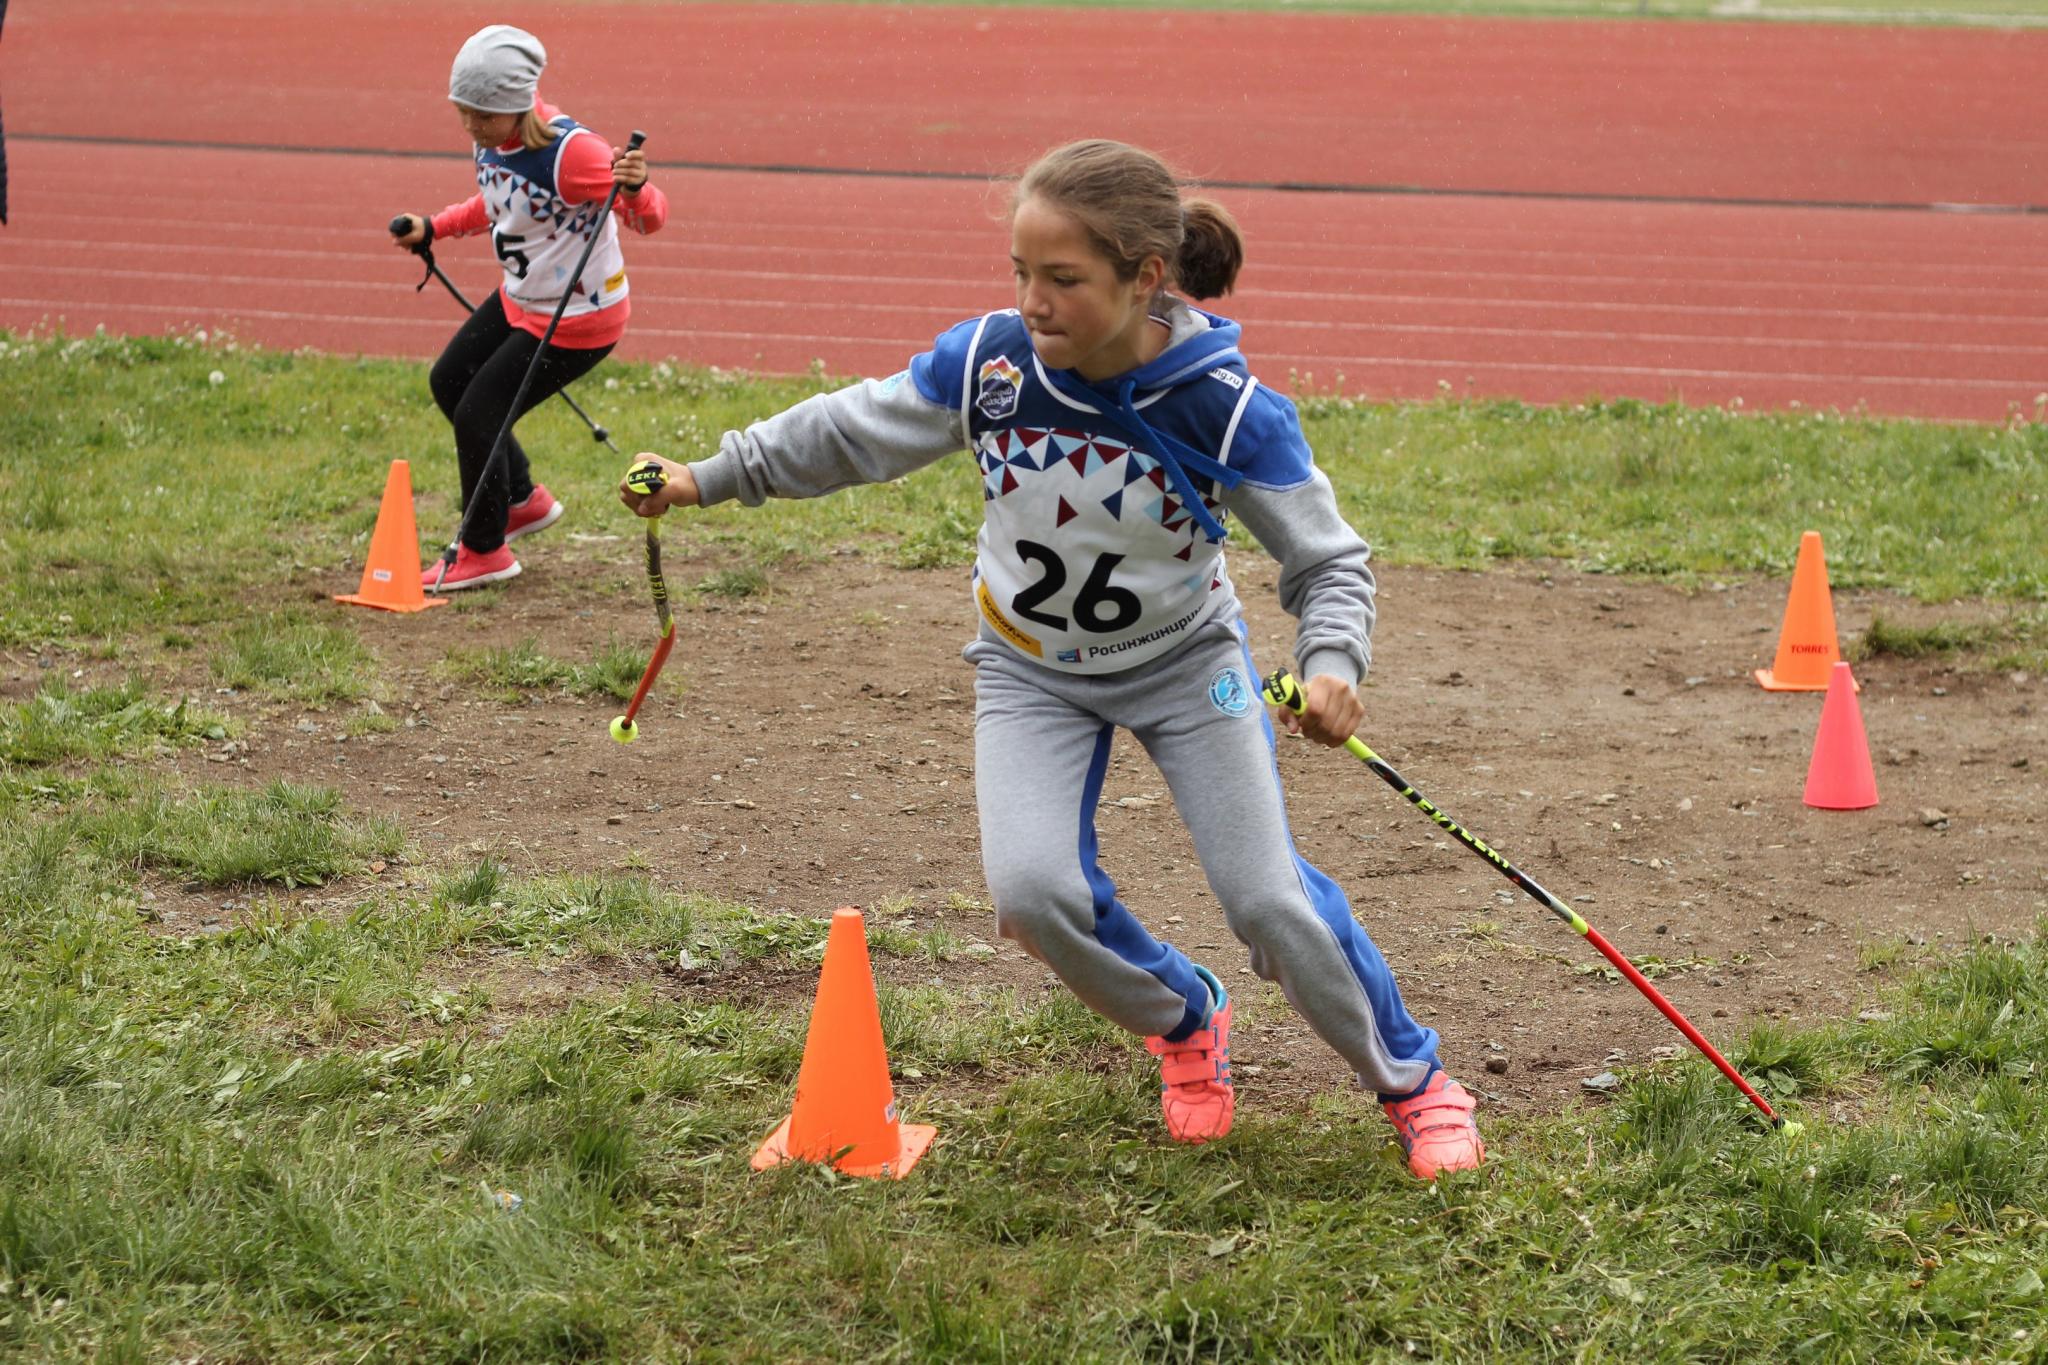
(425, 252)
(644, 478)
(1282, 690)
(540, 351)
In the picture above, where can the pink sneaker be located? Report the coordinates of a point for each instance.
(1195, 1090)
(1437, 1130)
(470, 570)
(537, 513)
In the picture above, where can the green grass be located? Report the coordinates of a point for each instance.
(58, 724)
(266, 489)
(225, 836)
(282, 1139)
(515, 671)
(285, 1141)
(295, 657)
(2017, 639)
(1691, 494)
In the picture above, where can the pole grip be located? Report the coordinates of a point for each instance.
(646, 477)
(1282, 690)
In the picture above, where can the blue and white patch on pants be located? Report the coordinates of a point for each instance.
(1230, 692)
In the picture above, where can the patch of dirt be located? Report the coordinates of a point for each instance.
(814, 749)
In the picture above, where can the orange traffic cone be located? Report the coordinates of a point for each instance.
(1807, 648)
(845, 1110)
(391, 575)
(1839, 777)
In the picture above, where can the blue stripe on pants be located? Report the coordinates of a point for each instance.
(1118, 929)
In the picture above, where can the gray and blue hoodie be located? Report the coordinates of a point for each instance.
(1104, 504)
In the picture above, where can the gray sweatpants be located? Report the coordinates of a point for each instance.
(1042, 742)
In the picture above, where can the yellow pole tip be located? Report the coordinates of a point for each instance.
(1791, 1130)
(623, 730)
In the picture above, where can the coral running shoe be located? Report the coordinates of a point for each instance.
(1194, 1073)
(470, 570)
(537, 513)
(1437, 1130)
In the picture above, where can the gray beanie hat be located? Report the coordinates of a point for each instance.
(498, 70)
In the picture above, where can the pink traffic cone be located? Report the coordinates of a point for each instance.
(1840, 777)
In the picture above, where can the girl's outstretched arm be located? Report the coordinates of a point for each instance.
(869, 432)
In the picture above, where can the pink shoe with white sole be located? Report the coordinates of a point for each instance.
(1195, 1091)
(470, 570)
(1437, 1130)
(537, 513)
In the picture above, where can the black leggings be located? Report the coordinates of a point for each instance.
(474, 381)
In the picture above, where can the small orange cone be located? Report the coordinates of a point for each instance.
(391, 575)
(1807, 648)
(845, 1110)
(1839, 777)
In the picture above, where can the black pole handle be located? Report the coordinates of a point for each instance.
(424, 247)
(633, 142)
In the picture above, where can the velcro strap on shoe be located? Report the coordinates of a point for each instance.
(1449, 1098)
(1450, 1107)
(1187, 1070)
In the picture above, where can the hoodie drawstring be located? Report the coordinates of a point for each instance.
(1175, 457)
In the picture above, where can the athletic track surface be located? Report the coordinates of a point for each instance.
(1551, 210)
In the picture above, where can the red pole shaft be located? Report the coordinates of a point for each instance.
(1670, 1011)
(654, 664)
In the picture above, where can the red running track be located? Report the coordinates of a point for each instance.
(1614, 281)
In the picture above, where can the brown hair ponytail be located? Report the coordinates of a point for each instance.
(1211, 251)
(1129, 204)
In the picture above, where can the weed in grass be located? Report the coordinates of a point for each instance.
(1973, 1037)
(616, 672)
(927, 1032)
(601, 1152)
(1786, 1217)
(58, 724)
(515, 671)
(1979, 1166)
(218, 836)
(38, 872)
(369, 719)
(295, 657)
(734, 584)
(480, 885)
(510, 670)
(932, 945)
(1779, 1063)
(2017, 639)
(1989, 974)
(781, 935)
(1679, 1117)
